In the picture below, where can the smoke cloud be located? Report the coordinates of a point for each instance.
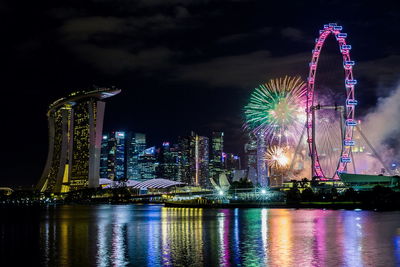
(381, 126)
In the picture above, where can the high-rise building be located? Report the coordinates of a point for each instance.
(250, 150)
(120, 165)
(262, 167)
(112, 159)
(147, 163)
(232, 162)
(194, 160)
(136, 144)
(104, 156)
(75, 134)
(216, 165)
(169, 162)
(201, 161)
(184, 160)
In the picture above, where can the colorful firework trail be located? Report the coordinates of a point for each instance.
(278, 157)
(278, 109)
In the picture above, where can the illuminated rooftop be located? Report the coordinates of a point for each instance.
(99, 93)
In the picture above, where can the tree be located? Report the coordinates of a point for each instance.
(304, 182)
(350, 194)
(293, 195)
(314, 181)
(307, 194)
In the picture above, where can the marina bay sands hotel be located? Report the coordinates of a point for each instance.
(75, 133)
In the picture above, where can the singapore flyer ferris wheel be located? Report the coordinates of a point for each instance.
(347, 109)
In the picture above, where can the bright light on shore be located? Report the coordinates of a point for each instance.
(263, 191)
(221, 193)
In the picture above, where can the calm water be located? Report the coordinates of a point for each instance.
(151, 235)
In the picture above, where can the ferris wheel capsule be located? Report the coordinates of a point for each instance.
(349, 142)
(351, 82)
(341, 35)
(315, 52)
(348, 64)
(351, 102)
(338, 28)
(345, 159)
(351, 122)
(345, 47)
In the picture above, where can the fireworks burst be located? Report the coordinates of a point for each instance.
(278, 157)
(277, 108)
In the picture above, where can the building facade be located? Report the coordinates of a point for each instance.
(169, 162)
(262, 165)
(136, 144)
(216, 166)
(194, 160)
(147, 163)
(75, 135)
(113, 156)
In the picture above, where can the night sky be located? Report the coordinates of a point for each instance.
(182, 65)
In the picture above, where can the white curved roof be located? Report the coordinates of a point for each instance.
(132, 183)
(107, 183)
(157, 183)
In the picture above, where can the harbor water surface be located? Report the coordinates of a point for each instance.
(153, 235)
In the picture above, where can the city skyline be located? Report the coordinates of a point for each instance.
(184, 81)
(193, 160)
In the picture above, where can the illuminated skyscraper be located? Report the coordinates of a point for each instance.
(104, 156)
(216, 159)
(194, 160)
(231, 162)
(112, 159)
(201, 161)
(262, 170)
(136, 143)
(184, 160)
(75, 134)
(250, 150)
(147, 163)
(169, 162)
(120, 155)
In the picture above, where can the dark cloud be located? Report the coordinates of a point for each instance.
(109, 60)
(244, 36)
(292, 34)
(83, 29)
(381, 73)
(181, 12)
(245, 70)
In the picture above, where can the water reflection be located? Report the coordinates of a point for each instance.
(151, 235)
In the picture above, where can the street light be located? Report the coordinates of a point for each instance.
(263, 191)
(221, 193)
